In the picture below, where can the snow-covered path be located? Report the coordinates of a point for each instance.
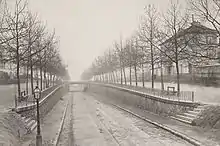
(101, 125)
(204, 94)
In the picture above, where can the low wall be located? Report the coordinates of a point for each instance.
(46, 104)
(141, 100)
(12, 127)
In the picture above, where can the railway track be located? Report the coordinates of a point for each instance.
(160, 126)
(65, 132)
(175, 133)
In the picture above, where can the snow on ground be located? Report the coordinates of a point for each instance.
(202, 93)
(11, 128)
(50, 124)
(66, 135)
(93, 118)
(7, 97)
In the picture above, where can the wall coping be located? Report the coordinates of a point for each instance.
(153, 97)
(33, 105)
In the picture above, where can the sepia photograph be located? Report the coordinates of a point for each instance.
(109, 72)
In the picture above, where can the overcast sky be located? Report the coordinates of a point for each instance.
(88, 27)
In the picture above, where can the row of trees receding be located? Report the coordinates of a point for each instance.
(163, 40)
(26, 43)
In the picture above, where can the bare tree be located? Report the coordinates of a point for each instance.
(15, 45)
(207, 10)
(34, 32)
(122, 61)
(148, 36)
(128, 48)
(173, 47)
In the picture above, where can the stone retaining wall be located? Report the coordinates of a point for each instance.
(11, 124)
(46, 104)
(142, 100)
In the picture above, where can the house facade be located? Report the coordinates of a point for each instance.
(200, 43)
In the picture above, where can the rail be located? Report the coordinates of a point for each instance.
(29, 99)
(47, 93)
(187, 96)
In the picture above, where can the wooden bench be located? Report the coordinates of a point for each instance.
(172, 91)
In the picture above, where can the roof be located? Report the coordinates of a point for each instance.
(196, 28)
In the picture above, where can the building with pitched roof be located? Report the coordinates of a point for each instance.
(198, 46)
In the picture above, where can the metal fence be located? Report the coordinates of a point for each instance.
(24, 100)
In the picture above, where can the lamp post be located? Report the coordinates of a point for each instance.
(37, 94)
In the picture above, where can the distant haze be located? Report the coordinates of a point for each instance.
(88, 27)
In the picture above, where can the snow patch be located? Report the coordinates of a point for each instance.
(11, 128)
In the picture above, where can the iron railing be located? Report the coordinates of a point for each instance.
(172, 95)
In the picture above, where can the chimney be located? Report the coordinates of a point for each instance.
(196, 23)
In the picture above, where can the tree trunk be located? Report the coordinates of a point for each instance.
(113, 77)
(18, 57)
(45, 79)
(121, 76)
(130, 78)
(178, 78)
(135, 73)
(110, 77)
(18, 73)
(177, 61)
(51, 79)
(48, 79)
(124, 75)
(152, 55)
(106, 78)
(103, 77)
(142, 67)
(161, 75)
(32, 80)
(116, 76)
(152, 68)
(27, 79)
(41, 79)
(100, 78)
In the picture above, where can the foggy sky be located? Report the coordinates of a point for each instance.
(88, 27)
